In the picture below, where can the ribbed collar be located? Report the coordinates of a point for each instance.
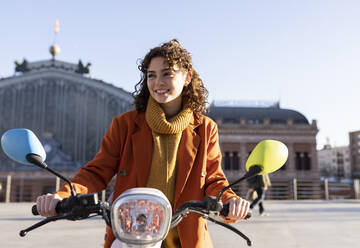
(157, 121)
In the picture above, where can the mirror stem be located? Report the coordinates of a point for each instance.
(63, 178)
(37, 160)
(253, 171)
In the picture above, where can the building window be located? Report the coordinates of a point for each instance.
(297, 161)
(227, 161)
(235, 161)
(306, 161)
(302, 161)
(230, 120)
(340, 164)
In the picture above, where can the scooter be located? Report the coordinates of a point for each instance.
(139, 217)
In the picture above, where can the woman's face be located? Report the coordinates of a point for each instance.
(166, 83)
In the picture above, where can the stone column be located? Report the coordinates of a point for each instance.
(231, 160)
(243, 156)
(290, 169)
(222, 159)
(8, 189)
(239, 160)
(313, 159)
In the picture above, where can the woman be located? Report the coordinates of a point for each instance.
(166, 143)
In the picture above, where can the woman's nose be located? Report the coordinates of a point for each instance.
(159, 80)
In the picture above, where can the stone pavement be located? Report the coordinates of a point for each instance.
(290, 224)
(298, 224)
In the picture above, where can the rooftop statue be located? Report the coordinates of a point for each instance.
(21, 67)
(83, 69)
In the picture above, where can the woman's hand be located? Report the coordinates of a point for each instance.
(238, 208)
(46, 204)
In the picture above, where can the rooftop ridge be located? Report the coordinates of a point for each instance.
(41, 65)
(247, 103)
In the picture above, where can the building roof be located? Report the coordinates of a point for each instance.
(30, 71)
(256, 115)
(57, 97)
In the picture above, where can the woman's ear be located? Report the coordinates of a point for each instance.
(188, 78)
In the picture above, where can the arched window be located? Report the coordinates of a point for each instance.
(235, 161)
(227, 161)
(302, 161)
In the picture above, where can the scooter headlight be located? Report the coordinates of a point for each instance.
(141, 216)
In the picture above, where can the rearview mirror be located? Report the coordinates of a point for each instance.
(270, 155)
(18, 143)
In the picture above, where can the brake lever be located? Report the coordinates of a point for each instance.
(41, 223)
(205, 209)
(248, 241)
(207, 215)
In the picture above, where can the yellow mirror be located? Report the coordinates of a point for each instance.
(270, 155)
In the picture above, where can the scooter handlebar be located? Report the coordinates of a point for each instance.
(60, 208)
(34, 210)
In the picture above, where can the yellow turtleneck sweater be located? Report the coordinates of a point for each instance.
(166, 139)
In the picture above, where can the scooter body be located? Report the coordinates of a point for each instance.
(139, 217)
(119, 244)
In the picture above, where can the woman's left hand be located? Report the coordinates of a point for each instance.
(238, 208)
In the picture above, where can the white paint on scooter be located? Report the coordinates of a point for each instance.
(119, 244)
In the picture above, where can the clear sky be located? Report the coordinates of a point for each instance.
(306, 54)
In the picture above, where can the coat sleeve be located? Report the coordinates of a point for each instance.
(215, 178)
(97, 173)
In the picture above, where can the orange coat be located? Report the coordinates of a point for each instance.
(126, 151)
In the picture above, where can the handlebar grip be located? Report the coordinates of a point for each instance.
(60, 208)
(225, 211)
(34, 210)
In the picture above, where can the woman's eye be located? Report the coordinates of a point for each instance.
(151, 76)
(168, 74)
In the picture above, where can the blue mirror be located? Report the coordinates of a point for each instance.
(17, 143)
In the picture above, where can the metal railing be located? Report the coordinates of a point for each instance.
(27, 189)
(313, 190)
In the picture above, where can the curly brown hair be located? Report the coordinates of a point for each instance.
(194, 95)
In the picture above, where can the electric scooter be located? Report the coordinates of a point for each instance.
(139, 217)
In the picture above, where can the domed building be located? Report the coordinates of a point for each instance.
(242, 127)
(68, 110)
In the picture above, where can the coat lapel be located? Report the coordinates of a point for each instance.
(142, 150)
(188, 148)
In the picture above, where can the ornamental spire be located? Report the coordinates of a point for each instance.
(55, 49)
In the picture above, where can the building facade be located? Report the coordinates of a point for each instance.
(334, 162)
(241, 128)
(354, 138)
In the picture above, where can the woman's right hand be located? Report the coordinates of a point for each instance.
(46, 204)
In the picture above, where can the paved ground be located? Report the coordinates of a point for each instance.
(290, 224)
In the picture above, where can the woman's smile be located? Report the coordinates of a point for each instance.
(162, 91)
